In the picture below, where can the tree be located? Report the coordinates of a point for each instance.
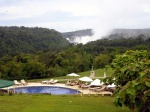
(132, 77)
(101, 61)
(34, 69)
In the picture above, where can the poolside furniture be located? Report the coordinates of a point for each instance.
(76, 82)
(44, 82)
(80, 84)
(101, 89)
(53, 82)
(96, 82)
(47, 81)
(111, 87)
(23, 82)
(85, 86)
(94, 88)
(17, 83)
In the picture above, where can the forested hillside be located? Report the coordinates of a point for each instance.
(29, 40)
(48, 63)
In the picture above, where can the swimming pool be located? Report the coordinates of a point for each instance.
(45, 89)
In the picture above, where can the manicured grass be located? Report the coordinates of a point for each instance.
(98, 73)
(58, 103)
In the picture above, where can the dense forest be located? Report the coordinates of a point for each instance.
(29, 40)
(58, 61)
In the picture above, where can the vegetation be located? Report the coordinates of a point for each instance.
(33, 53)
(132, 77)
(42, 65)
(58, 103)
(14, 40)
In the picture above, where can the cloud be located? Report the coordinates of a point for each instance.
(121, 14)
(68, 15)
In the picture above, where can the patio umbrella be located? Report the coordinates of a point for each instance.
(73, 74)
(96, 82)
(85, 79)
(5, 83)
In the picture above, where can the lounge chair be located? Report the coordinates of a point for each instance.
(111, 87)
(47, 81)
(94, 88)
(23, 82)
(17, 83)
(50, 81)
(53, 82)
(44, 82)
(85, 86)
(101, 89)
(76, 82)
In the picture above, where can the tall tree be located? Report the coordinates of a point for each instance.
(132, 77)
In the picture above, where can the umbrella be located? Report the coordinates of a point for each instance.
(73, 74)
(5, 83)
(96, 82)
(86, 79)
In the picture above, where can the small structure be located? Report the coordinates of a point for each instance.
(5, 83)
(104, 74)
(92, 75)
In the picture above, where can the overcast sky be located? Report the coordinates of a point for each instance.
(71, 15)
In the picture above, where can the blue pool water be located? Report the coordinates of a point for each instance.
(45, 89)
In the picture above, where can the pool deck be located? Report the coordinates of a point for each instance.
(84, 91)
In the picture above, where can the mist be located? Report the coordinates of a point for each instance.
(128, 14)
(64, 15)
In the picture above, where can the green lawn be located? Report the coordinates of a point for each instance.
(58, 103)
(98, 73)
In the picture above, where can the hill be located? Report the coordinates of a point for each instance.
(29, 40)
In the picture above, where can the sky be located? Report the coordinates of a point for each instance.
(70, 15)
